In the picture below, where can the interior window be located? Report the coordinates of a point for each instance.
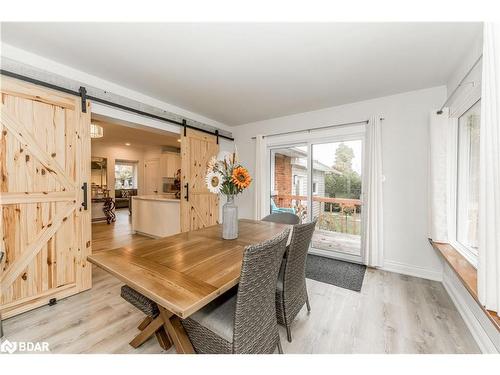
(468, 179)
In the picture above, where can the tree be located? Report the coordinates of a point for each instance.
(348, 183)
(343, 158)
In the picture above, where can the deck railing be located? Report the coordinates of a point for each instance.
(334, 214)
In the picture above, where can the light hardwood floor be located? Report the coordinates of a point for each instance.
(392, 314)
(118, 234)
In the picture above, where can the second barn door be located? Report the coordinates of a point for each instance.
(199, 207)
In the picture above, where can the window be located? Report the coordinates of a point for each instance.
(125, 175)
(467, 202)
(315, 188)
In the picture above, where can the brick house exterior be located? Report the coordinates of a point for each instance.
(283, 177)
(290, 178)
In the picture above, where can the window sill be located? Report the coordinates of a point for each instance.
(466, 272)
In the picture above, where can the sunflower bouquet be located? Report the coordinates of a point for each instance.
(225, 175)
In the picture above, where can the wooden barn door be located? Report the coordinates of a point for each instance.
(45, 231)
(199, 207)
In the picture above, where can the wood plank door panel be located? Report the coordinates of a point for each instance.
(199, 207)
(44, 160)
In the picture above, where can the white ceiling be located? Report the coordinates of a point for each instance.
(239, 73)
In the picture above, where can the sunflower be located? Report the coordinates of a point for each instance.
(214, 182)
(241, 178)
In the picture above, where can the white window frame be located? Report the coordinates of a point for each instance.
(336, 134)
(461, 105)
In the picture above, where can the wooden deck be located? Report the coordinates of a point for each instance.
(335, 241)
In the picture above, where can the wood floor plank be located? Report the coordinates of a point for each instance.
(341, 321)
(392, 314)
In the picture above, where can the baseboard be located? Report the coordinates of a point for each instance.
(410, 270)
(486, 335)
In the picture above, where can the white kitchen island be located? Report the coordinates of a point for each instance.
(156, 215)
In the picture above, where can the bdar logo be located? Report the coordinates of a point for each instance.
(8, 347)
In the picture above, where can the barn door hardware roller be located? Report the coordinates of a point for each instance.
(83, 95)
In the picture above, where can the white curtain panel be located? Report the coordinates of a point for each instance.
(260, 177)
(489, 172)
(439, 175)
(374, 240)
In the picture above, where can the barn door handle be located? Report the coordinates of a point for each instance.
(84, 203)
(186, 197)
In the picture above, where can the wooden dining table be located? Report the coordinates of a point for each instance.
(184, 272)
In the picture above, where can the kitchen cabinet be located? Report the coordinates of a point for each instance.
(156, 215)
(169, 164)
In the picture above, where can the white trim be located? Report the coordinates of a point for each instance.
(411, 270)
(465, 101)
(481, 328)
(455, 186)
(336, 255)
(310, 173)
(465, 251)
(318, 136)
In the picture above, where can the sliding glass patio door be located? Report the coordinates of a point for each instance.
(322, 179)
(336, 197)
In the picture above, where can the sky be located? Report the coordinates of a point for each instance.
(325, 153)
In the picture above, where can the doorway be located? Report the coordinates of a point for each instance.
(322, 179)
(133, 169)
(151, 178)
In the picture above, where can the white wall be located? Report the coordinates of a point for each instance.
(405, 150)
(129, 153)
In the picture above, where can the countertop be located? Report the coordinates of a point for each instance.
(158, 197)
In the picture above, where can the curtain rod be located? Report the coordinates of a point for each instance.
(459, 84)
(83, 94)
(318, 128)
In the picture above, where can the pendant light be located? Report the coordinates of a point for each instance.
(96, 131)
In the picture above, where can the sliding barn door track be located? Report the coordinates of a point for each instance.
(82, 92)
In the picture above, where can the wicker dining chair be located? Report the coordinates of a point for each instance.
(291, 290)
(152, 323)
(243, 321)
(283, 218)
